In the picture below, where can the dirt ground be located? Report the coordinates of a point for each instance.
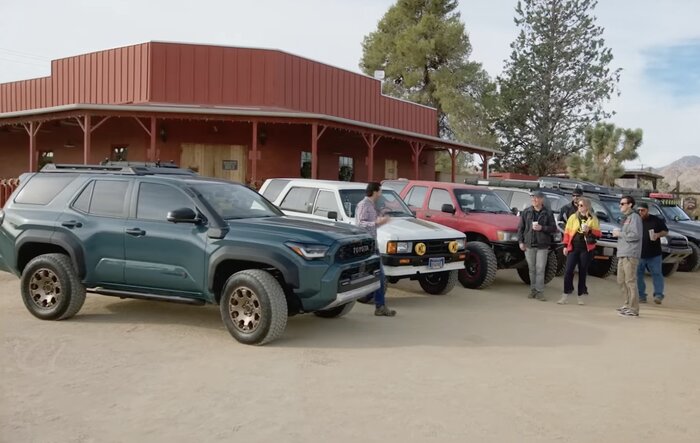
(485, 365)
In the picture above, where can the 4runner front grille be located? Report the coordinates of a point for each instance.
(356, 250)
(607, 236)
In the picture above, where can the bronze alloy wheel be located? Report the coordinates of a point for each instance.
(244, 309)
(45, 288)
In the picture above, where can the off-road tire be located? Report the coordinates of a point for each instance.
(480, 266)
(60, 279)
(561, 262)
(668, 269)
(260, 292)
(692, 262)
(603, 268)
(337, 312)
(438, 283)
(549, 272)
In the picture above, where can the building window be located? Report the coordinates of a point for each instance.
(45, 157)
(305, 164)
(346, 170)
(119, 153)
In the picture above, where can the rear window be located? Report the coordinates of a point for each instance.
(42, 188)
(274, 188)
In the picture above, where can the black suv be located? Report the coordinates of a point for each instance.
(166, 234)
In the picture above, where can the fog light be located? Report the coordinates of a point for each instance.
(420, 248)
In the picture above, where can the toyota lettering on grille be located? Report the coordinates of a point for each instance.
(360, 249)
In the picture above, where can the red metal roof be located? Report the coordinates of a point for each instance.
(205, 75)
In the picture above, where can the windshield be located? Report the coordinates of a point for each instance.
(475, 200)
(388, 204)
(232, 201)
(674, 213)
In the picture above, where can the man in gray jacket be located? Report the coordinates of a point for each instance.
(629, 251)
(535, 231)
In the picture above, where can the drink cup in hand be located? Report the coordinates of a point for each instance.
(652, 235)
(535, 226)
(584, 227)
(616, 232)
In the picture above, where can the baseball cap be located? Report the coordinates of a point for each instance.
(539, 194)
(643, 205)
(577, 191)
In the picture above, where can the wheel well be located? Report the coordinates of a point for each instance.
(473, 236)
(29, 251)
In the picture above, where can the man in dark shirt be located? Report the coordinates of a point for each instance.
(654, 229)
(535, 232)
(567, 210)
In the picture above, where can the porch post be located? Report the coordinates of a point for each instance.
(417, 148)
(152, 148)
(314, 150)
(486, 166)
(453, 156)
(87, 132)
(32, 148)
(371, 142)
(254, 155)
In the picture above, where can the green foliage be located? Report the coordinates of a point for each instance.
(423, 49)
(554, 85)
(608, 148)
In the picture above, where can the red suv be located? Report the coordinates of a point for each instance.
(490, 227)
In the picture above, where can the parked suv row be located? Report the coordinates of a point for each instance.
(166, 234)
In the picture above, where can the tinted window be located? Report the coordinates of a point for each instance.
(108, 198)
(416, 196)
(233, 201)
(520, 200)
(82, 203)
(299, 200)
(505, 195)
(42, 188)
(480, 201)
(156, 200)
(654, 210)
(274, 188)
(438, 198)
(325, 203)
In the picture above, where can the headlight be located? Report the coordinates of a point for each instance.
(399, 247)
(507, 236)
(457, 245)
(309, 252)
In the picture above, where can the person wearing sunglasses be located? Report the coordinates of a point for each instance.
(580, 235)
(570, 209)
(629, 251)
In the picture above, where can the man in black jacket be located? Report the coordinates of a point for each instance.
(535, 233)
(568, 209)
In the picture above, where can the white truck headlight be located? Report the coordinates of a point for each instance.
(507, 236)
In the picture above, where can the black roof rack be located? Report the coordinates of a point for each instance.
(500, 182)
(119, 168)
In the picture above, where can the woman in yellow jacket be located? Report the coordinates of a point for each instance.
(580, 236)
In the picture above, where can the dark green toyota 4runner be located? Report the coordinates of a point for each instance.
(166, 234)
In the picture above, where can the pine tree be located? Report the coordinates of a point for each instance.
(554, 85)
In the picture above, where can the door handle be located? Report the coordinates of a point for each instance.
(428, 215)
(72, 224)
(136, 232)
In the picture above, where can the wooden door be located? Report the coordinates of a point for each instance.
(391, 169)
(221, 161)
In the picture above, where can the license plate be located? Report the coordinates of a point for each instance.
(436, 263)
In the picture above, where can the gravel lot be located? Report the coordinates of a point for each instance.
(471, 366)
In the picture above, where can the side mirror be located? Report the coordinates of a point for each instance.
(448, 208)
(333, 215)
(514, 211)
(602, 215)
(184, 215)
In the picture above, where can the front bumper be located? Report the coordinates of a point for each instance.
(414, 264)
(322, 286)
(674, 255)
(604, 250)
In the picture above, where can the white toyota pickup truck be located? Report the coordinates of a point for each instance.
(410, 248)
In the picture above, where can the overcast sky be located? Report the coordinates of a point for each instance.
(657, 43)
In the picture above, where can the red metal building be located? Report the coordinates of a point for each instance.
(237, 113)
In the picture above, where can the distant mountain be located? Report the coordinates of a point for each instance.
(686, 170)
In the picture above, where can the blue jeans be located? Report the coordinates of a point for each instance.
(653, 265)
(381, 292)
(582, 258)
(537, 264)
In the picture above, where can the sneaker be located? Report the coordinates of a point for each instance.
(532, 294)
(383, 311)
(580, 300)
(642, 300)
(628, 313)
(540, 296)
(622, 308)
(657, 300)
(562, 300)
